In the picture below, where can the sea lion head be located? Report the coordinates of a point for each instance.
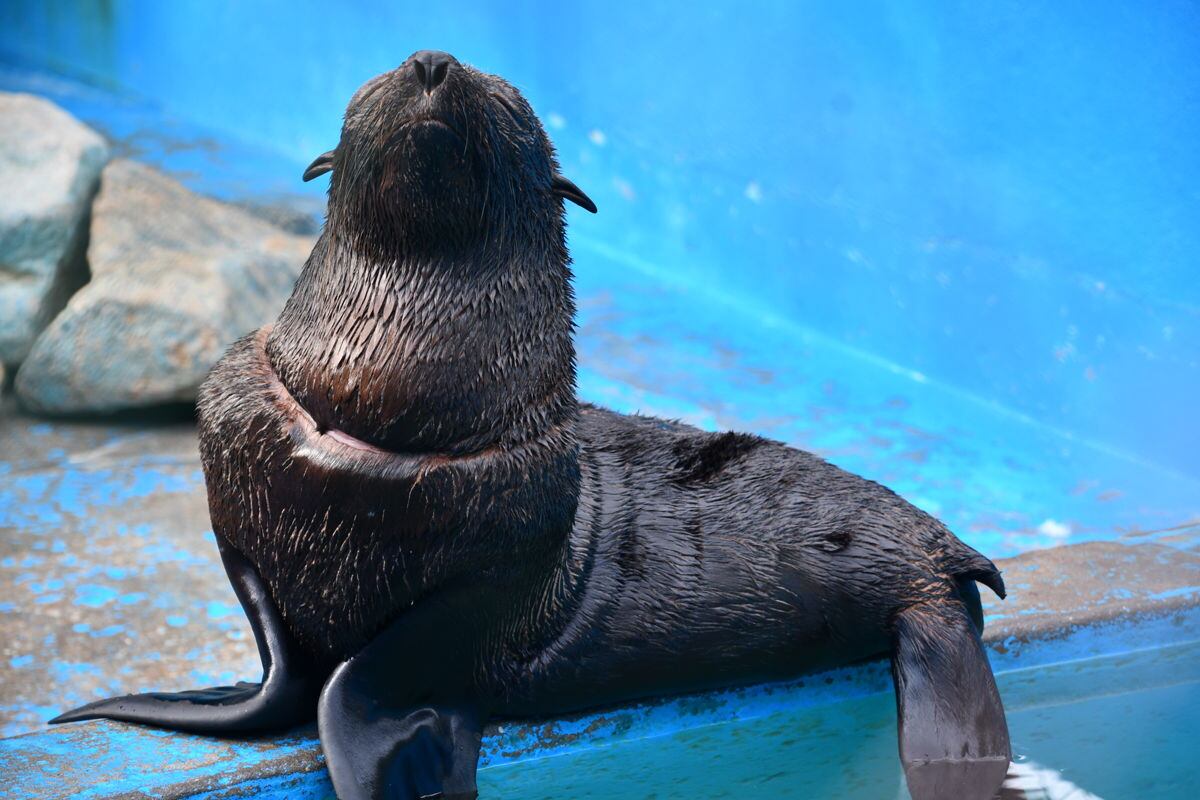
(438, 152)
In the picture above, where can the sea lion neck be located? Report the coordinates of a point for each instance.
(428, 354)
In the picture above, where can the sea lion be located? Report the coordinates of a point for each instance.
(427, 529)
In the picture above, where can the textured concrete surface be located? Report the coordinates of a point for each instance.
(1054, 591)
(49, 166)
(110, 576)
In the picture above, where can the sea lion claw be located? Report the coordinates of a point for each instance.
(953, 736)
(284, 698)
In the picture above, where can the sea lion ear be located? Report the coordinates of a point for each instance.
(569, 191)
(322, 164)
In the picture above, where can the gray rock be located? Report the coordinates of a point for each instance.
(175, 279)
(49, 166)
(300, 215)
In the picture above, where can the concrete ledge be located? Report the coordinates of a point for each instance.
(1062, 609)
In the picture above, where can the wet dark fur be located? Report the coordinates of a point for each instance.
(572, 556)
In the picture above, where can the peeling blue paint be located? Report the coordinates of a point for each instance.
(66, 671)
(219, 610)
(44, 497)
(110, 630)
(1179, 592)
(94, 596)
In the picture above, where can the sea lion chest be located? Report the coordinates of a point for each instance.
(348, 536)
(418, 359)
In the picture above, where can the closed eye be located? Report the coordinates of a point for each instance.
(508, 106)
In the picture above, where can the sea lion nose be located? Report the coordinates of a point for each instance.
(431, 68)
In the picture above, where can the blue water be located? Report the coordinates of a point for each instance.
(1111, 727)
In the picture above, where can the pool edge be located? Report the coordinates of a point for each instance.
(1059, 609)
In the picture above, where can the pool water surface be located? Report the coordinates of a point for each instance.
(1115, 727)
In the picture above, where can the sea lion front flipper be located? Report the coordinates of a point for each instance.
(953, 734)
(374, 751)
(284, 698)
(396, 721)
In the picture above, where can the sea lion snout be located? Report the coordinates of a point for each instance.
(430, 67)
(436, 155)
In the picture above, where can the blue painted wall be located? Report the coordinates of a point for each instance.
(999, 196)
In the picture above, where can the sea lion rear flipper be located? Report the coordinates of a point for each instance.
(284, 698)
(953, 734)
